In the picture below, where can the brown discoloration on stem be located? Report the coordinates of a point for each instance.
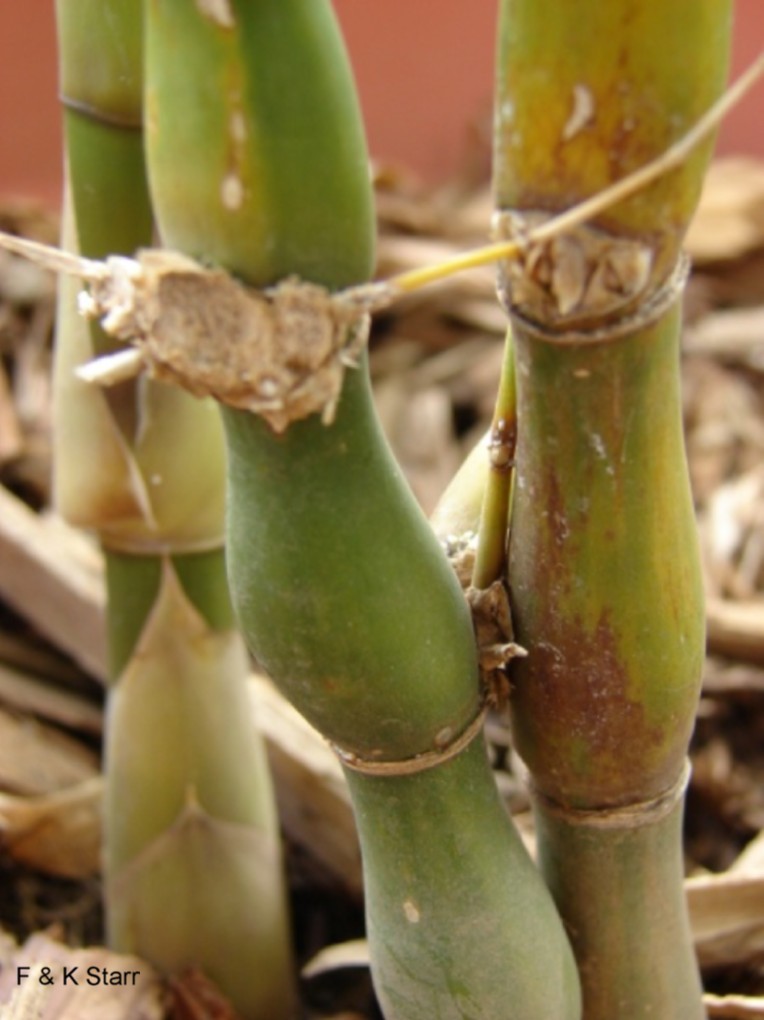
(603, 566)
(603, 570)
(598, 745)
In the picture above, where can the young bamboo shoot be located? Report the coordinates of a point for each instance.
(193, 872)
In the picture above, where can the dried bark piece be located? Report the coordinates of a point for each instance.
(581, 275)
(492, 620)
(280, 353)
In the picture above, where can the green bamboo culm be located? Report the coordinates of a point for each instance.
(192, 859)
(604, 567)
(342, 590)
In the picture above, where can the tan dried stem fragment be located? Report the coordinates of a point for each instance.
(280, 353)
(573, 278)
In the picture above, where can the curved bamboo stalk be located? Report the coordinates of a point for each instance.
(341, 587)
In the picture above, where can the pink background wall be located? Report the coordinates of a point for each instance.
(425, 82)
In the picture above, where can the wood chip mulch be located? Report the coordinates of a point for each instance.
(435, 360)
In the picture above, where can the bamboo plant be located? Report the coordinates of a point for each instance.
(193, 870)
(342, 589)
(604, 568)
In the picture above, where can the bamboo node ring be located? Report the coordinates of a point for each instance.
(628, 816)
(419, 762)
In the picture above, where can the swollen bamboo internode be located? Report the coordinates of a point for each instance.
(607, 599)
(605, 573)
(604, 567)
(340, 585)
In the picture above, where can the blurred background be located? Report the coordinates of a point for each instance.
(425, 81)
